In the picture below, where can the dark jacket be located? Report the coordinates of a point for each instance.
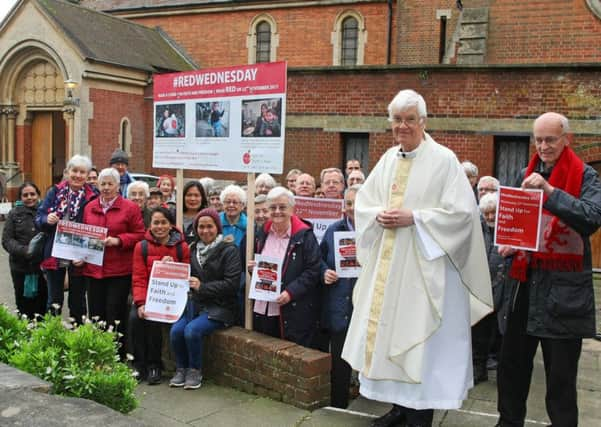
(300, 277)
(49, 205)
(562, 303)
(497, 265)
(19, 229)
(337, 301)
(155, 252)
(219, 279)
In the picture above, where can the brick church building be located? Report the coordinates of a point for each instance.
(76, 76)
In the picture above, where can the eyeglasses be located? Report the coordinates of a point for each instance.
(549, 140)
(275, 208)
(332, 182)
(409, 121)
(231, 202)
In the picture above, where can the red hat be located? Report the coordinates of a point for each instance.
(213, 214)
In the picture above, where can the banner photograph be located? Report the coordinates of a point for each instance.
(223, 119)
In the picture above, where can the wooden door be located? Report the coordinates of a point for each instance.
(511, 156)
(356, 146)
(41, 151)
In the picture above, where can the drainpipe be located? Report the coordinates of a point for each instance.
(389, 49)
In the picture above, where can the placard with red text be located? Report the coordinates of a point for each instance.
(518, 218)
(167, 291)
(76, 241)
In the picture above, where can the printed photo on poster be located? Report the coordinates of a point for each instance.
(76, 241)
(261, 118)
(266, 279)
(170, 121)
(345, 254)
(213, 119)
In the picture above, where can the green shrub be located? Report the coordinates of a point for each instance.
(81, 362)
(13, 331)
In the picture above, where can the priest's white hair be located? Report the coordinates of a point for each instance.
(406, 99)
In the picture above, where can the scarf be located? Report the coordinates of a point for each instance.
(68, 203)
(561, 248)
(202, 250)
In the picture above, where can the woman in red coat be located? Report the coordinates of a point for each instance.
(109, 283)
(163, 242)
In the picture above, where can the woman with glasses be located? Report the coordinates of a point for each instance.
(294, 315)
(233, 218)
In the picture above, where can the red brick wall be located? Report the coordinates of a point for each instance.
(110, 107)
(219, 39)
(278, 369)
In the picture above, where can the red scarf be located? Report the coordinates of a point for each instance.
(560, 247)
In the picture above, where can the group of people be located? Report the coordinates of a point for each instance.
(418, 323)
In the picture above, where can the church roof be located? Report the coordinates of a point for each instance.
(108, 39)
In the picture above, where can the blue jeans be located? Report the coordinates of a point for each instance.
(187, 334)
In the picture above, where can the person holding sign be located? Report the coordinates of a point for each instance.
(65, 201)
(109, 284)
(212, 301)
(549, 299)
(424, 276)
(294, 315)
(163, 242)
(337, 306)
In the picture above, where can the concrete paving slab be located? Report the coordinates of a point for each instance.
(332, 417)
(260, 412)
(186, 406)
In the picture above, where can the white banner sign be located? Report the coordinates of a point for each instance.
(266, 279)
(345, 254)
(223, 119)
(167, 291)
(76, 241)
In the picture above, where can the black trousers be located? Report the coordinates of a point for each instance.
(146, 341)
(29, 306)
(77, 292)
(514, 373)
(340, 374)
(107, 300)
(482, 335)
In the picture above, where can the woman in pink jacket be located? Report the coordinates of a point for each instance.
(109, 283)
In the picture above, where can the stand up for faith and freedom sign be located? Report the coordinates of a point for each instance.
(222, 119)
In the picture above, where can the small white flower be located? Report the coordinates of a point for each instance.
(117, 321)
(56, 306)
(110, 329)
(135, 374)
(71, 319)
(129, 356)
(96, 318)
(48, 370)
(69, 377)
(91, 351)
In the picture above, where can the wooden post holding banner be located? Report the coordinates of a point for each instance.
(250, 247)
(179, 198)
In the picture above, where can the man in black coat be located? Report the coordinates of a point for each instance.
(549, 298)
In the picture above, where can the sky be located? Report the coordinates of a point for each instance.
(5, 6)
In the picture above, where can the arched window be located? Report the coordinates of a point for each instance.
(262, 39)
(263, 42)
(125, 135)
(348, 39)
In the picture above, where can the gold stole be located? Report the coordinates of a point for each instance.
(397, 194)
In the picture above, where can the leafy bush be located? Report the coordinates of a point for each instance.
(13, 331)
(81, 362)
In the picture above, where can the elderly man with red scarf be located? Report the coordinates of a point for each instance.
(549, 298)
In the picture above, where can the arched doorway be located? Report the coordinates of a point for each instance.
(34, 133)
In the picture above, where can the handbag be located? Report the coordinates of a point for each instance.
(35, 249)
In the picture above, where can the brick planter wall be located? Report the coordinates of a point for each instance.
(278, 369)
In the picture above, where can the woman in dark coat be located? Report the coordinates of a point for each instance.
(65, 201)
(212, 302)
(19, 229)
(295, 314)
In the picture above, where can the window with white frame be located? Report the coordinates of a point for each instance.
(262, 39)
(349, 38)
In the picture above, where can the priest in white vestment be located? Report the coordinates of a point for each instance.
(424, 278)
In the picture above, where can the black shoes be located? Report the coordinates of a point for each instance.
(154, 376)
(395, 417)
